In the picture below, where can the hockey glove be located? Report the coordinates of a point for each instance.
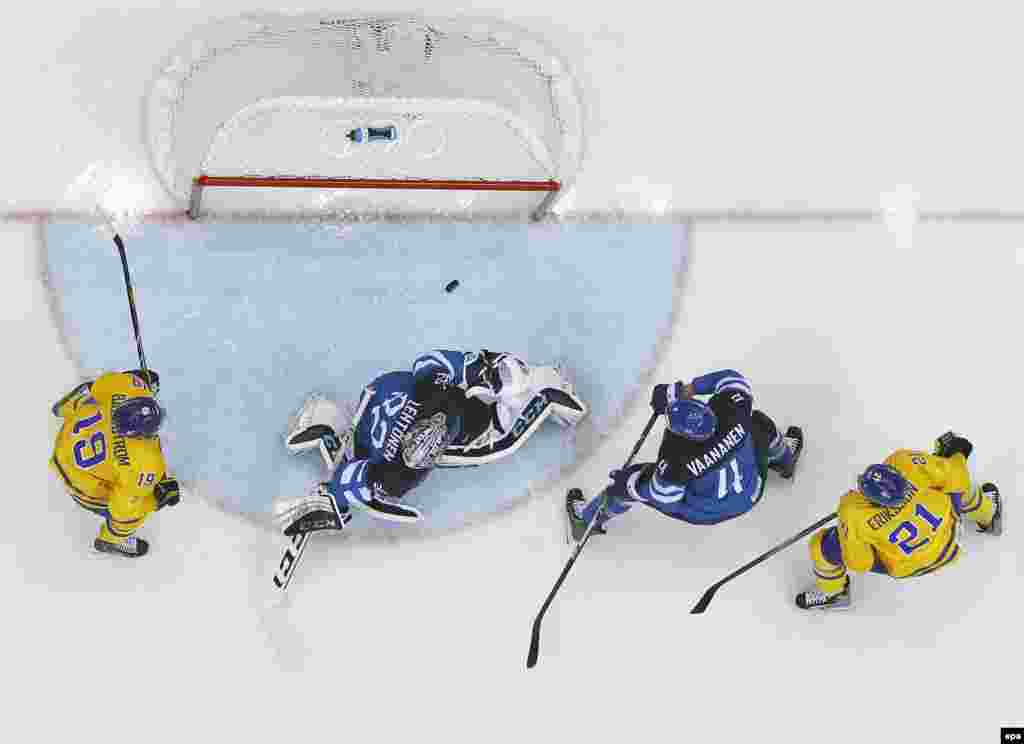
(83, 389)
(483, 379)
(663, 395)
(951, 443)
(167, 493)
(619, 488)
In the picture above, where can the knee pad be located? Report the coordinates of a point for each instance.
(765, 430)
(825, 547)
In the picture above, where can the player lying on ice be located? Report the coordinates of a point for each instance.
(108, 456)
(713, 461)
(454, 409)
(902, 520)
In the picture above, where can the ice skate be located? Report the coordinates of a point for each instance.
(132, 547)
(995, 527)
(794, 441)
(815, 599)
(574, 503)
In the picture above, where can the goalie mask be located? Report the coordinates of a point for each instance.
(426, 440)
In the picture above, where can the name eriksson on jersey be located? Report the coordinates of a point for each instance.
(733, 437)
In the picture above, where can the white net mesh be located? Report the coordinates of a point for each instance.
(277, 95)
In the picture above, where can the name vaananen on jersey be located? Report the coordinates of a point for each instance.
(713, 456)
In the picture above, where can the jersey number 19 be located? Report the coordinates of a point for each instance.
(89, 452)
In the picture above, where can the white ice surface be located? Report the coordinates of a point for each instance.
(869, 344)
(867, 340)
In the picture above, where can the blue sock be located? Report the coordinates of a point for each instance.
(778, 452)
(614, 507)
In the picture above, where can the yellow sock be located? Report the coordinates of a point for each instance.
(107, 536)
(979, 508)
(829, 577)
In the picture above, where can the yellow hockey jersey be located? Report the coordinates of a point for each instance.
(916, 537)
(105, 472)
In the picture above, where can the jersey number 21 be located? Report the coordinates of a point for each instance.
(904, 535)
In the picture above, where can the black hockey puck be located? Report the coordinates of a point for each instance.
(452, 285)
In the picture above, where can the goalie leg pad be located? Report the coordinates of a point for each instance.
(566, 408)
(496, 444)
(555, 382)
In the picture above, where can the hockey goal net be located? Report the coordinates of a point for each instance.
(259, 115)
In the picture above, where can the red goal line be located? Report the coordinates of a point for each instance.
(376, 183)
(550, 187)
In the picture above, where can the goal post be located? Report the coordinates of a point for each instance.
(257, 115)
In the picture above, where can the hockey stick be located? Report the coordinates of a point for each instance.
(706, 598)
(531, 658)
(290, 560)
(131, 306)
(298, 543)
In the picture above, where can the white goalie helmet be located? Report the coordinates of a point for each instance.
(425, 441)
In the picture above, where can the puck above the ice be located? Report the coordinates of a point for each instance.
(452, 285)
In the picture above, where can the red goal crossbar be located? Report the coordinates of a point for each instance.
(291, 182)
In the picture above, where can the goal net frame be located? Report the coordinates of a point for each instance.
(505, 76)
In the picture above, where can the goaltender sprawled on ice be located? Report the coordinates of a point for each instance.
(453, 409)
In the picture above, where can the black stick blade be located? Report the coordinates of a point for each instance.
(704, 601)
(531, 658)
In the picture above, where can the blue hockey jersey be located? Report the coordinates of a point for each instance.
(392, 403)
(712, 481)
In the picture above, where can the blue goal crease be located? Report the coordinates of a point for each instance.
(243, 321)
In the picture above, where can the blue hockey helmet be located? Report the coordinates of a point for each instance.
(138, 417)
(692, 419)
(883, 485)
